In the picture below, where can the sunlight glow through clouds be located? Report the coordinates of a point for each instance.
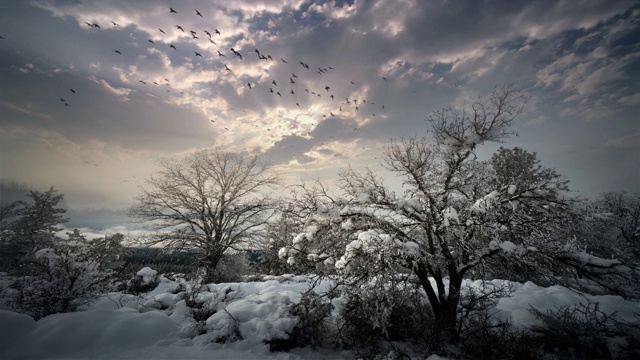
(575, 60)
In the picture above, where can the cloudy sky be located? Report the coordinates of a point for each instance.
(94, 92)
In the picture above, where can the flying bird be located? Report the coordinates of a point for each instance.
(249, 85)
(118, 52)
(162, 31)
(179, 27)
(95, 25)
(220, 54)
(274, 83)
(284, 61)
(327, 88)
(217, 32)
(61, 99)
(73, 91)
(114, 23)
(173, 47)
(213, 42)
(208, 33)
(198, 13)
(227, 68)
(197, 53)
(172, 11)
(88, 24)
(151, 41)
(142, 82)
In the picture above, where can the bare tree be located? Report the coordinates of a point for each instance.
(211, 201)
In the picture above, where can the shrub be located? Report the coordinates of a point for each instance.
(312, 329)
(232, 268)
(65, 278)
(583, 331)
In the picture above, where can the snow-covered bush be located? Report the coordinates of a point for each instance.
(65, 277)
(145, 280)
(312, 328)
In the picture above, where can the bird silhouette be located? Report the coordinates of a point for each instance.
(279, 94)
(227, 68)
(284, 61)
(198, 13)
(95, 25)
(162, 31)
(291, 81)
(327, 88)
(61, 99)
(197, 53)
(274, 83)
(213, 42)
(249, 85)
(118, 52)
(172, 11)
(73, 91)
(151, 41)
(88, 24)
(114, 23)
(192, 32)
(195, 37)
(179, 27)
(220, 54)
(173, 47)
(217, 32)
(208, 33)
(292, 93)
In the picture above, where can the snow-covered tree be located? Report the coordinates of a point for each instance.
(615, 216)
(456, 212)
(211, 201)
(26, 226)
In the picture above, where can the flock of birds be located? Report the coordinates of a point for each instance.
(281, 88)
(300, 88)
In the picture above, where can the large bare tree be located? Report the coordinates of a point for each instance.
(211, 201)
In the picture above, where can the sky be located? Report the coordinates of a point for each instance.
(92, 93)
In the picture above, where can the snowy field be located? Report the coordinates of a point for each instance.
(156, 325)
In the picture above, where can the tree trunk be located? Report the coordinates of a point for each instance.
(444, 308)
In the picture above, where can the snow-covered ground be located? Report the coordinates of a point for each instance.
(155, 325)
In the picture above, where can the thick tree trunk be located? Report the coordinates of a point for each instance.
(444, 307)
